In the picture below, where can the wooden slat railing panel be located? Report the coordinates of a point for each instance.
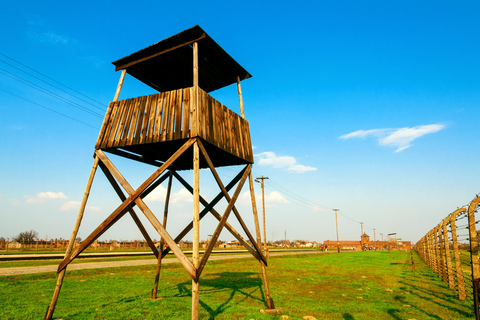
(168, 116)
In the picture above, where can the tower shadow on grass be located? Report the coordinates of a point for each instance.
(243, 284)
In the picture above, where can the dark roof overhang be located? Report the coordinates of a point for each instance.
(168, 64)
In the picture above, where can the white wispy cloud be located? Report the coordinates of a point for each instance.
(399, 138)
(46, 196)
(75, 205)
(160, 193)
(271, 199)
(286, 162)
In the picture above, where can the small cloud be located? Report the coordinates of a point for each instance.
(271, 159)
(182, 196)
(45, 196)
(400, 138)
(275, 197)
(271, 199)
(365, 133)
(75, 205)
(157, 195)
(160, 193)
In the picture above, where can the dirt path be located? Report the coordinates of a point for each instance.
(97, 265)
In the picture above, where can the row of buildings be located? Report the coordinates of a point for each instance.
(365, 244)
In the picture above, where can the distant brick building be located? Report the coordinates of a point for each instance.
(365, 244)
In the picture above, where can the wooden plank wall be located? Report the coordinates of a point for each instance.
(166, 116)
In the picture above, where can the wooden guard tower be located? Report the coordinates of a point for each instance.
(180, 128)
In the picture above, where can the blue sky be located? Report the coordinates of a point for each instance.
(369, 107)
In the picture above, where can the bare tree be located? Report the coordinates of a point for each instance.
(27, 236)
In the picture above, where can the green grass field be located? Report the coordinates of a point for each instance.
(354, 285)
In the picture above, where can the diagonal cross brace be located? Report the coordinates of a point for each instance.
(227, 197)
(122, 197)
(222, 222)
(209, 207)
(122, 209)
(150, 216)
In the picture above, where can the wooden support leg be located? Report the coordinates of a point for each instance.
(196, 230)
(61, 275)
(270, 303)
(159, 261)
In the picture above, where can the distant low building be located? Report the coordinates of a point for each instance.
(365, 244)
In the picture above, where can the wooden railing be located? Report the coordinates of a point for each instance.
(172, 115)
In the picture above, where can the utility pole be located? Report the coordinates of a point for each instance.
(285, 246)
(374, 240)
(361, 224)
(263, 205)
(336, 223)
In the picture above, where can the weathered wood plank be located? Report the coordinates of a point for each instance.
(139, 124)
(101, 135)
(178, 115)
(151, 120)
(133, 124)
(171, 115)
(146, 119)
(121, 123)
(111, 120)
(159, 117)
(166, 110)
(186, 114)
(130, 105)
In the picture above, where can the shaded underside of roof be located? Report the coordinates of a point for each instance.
(168, 64)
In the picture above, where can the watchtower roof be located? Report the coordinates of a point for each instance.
(168, 64)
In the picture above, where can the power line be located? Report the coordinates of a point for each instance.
(48, 92)
(42, 106)
(65, 86)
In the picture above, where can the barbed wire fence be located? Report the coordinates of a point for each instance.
(451, 250)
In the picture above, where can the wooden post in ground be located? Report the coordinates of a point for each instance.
(437, 252)
(448, 256)
(433, 254)
(162, 242)
(474, 254)
(441, 245)
(411, 258)
(270, 303)
(61, 274)
(336, 224)
(196, 229)
(265, 250)
(196, 194)
(456, 254)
